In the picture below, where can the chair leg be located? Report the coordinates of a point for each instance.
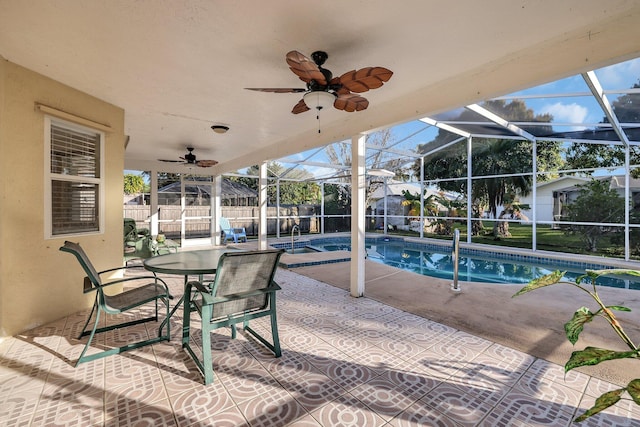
(207, 361)
(168, 320)
(84, 332)
(186, 320)
(274, 333)
(91, 335)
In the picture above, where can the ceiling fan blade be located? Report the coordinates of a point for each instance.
(300, 107)
(365, 79)
(206, 163)
(351, 102)
(305, 68)
(277, 89)
(171, 161)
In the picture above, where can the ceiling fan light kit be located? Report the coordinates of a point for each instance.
(220, 128)
(323, 89)
(319, 99)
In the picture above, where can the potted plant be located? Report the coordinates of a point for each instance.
(590, 356)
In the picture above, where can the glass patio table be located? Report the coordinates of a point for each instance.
(186, 264)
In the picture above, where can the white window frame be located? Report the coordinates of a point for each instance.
(50, 177)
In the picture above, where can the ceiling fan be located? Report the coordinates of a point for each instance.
(323, 89)
(190, 159)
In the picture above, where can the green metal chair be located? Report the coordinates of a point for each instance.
(231, 232)
(243, 289)
(118, 303)
(137, 242)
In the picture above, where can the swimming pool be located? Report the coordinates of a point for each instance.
(478, 266)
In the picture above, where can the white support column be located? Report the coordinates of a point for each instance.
(262, 201)
(322, 208)
(217, 209)
(627, 202)
(534, 197)
(358, 186)
(469, 189)
(421, 197)
(385, 219)
(277, 208)
(153, 213)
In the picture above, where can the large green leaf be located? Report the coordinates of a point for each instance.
(541, 282)
(603, 402)
(593, 356)
(613, 271)
(574, 327)
(634, 390)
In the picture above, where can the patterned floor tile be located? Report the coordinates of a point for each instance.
(273, 409)
(347, 411)
(244, 384)
(466, 406)
(522, 410)
(313, 390)
(543, 371)
(69, 410)
(540, 388)
(18, 405)
(158, 414)
(201, 403)
(349, 374)
(384, 397)
(421, 414)
(625, 413)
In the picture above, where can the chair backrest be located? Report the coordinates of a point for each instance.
(130, 229)
(83, 259)
(242, 272)
(225, 225)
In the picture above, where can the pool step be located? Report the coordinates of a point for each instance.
(313, 258)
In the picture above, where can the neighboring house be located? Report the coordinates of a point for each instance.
(395, 211)
(549, 202)
(553, 197)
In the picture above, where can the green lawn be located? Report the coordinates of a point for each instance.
(547, 239)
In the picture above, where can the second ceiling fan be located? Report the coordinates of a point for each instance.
(342, 91)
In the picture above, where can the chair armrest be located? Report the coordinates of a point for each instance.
(239, 230)
(208, 299)
(156, 279)
(199, 286)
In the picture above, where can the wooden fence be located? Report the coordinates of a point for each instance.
(242, 216)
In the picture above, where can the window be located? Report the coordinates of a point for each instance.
(74, 180)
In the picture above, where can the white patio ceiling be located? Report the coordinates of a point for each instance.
(178, 67)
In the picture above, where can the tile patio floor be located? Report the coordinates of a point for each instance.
(345, 362)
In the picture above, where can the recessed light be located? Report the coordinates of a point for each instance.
(220, 128)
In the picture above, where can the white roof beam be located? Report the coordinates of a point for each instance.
(445, 126)
(501, 121)
(594, 84)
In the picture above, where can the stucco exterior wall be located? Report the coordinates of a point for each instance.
(38, 283)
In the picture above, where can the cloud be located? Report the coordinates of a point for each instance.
(620, 76)
(566, 113)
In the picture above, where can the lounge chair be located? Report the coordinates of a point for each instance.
(137, 242)
(154, 290)
(231, 232)
(243, 289)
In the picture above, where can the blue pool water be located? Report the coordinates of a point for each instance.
(437, 261)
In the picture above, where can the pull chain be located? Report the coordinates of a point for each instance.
(318, 117)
